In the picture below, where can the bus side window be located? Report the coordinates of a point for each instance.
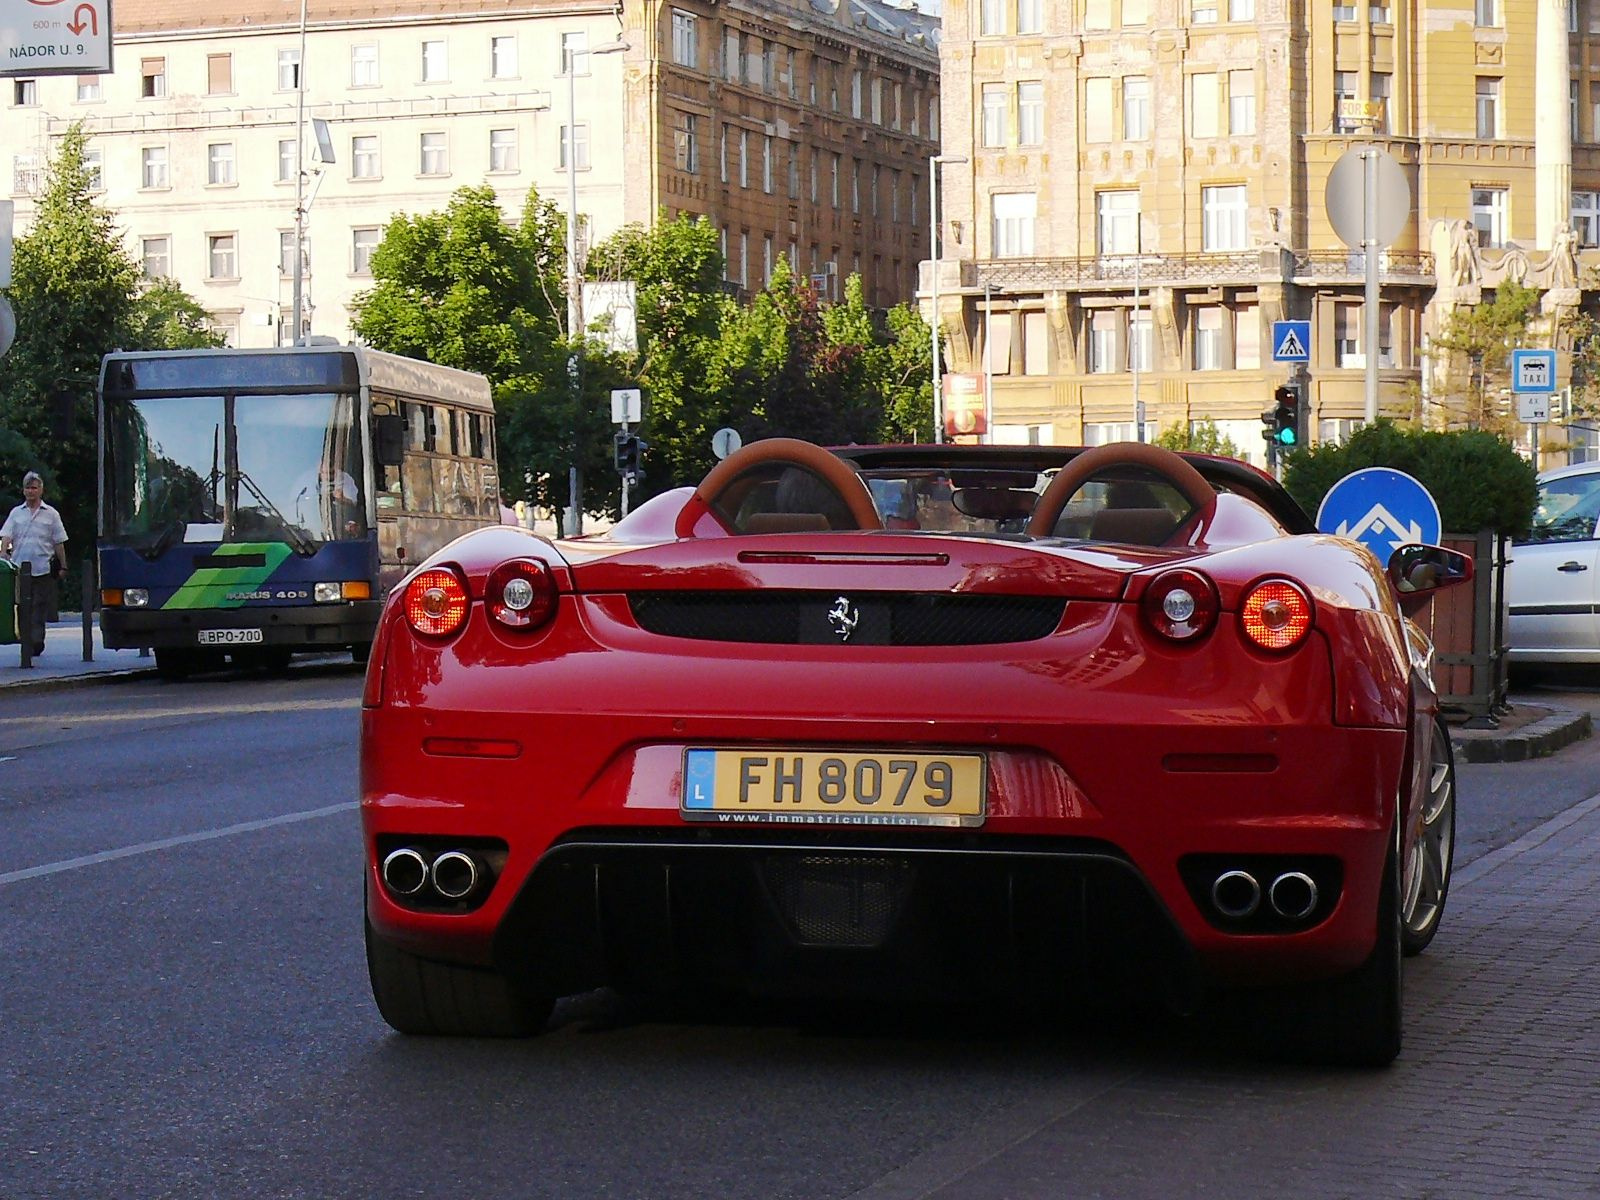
(417, 492)
(416, 418)
(445, 429)
(475, 432)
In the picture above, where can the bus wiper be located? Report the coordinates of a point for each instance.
(303, 545)
(171, 532)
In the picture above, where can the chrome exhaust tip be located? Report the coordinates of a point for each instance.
(1293, 895)
(454, 874)
(404, 871)
(1236, 894)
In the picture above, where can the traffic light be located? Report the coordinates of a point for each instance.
(626, 449)
(1284, 429)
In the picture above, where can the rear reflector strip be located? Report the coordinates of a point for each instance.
(470, 748)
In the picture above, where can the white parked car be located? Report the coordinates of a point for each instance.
(1553, 582)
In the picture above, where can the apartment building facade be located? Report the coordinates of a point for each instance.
(1136, 193)
(203, 148)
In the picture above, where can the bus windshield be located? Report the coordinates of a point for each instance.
(224, 469)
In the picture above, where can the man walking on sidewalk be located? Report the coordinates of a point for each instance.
(34, 536)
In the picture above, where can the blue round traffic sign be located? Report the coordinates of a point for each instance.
(1381, 508)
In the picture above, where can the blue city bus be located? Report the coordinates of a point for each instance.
(255, 503)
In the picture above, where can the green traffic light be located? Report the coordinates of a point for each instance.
(1286, 437)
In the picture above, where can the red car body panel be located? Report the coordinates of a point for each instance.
(1100, 731)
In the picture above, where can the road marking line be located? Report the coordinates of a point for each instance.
(89, 860)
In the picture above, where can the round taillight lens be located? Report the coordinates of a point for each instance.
(1181, 605)
(436, 602)
(521, 594)
(1276, 614)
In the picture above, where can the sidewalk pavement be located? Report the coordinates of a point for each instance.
(62, 666)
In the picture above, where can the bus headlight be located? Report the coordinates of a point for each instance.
(327, 593)
(135, 597)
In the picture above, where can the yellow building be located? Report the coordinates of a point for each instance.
(1133, 192)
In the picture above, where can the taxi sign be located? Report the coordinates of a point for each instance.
(1381, 508)
(1533, 371)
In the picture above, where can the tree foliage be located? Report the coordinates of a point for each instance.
(1473, 355)
(1203, 437)
(77, 294)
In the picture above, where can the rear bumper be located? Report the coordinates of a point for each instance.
(304, 627)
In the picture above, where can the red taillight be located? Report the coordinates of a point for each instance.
(521, 594)
(1276, 614)
(1181, 605)
(436, 602)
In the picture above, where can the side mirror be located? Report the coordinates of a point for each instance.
(1416, 569)
(389, 439)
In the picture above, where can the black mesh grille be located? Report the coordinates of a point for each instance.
(872, 618)
(838, 900)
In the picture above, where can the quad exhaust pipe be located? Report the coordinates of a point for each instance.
(454, 875)
(1237, 895)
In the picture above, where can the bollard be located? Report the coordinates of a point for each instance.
(25, 615)
(91, 593)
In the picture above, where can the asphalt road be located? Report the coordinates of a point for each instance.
(184, 1013)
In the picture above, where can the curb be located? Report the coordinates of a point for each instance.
(1534, 740)
(63, 683)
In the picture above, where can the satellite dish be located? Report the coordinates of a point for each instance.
(319, 129)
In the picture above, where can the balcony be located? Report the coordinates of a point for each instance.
(1118, 272)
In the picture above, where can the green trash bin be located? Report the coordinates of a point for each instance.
(8, 603)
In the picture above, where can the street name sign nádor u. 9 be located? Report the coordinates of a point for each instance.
(55, 37)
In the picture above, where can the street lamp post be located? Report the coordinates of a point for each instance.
(574, 522)
(933, 257)
(299, 176)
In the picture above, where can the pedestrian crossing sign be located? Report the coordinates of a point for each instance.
(1291, 341)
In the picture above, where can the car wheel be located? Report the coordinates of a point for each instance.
(1428, 879)
(174, 665)
(420, 996)
(1354, 1020)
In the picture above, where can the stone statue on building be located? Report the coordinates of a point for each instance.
(1561, 265)
(1466, 266)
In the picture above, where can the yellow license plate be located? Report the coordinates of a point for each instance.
(832, 787)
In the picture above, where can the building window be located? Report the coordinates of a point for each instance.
(25, 175)
(688, 143)
(1103, 357)
(575, 53)
(1594, 108)
(1203, 105)
(152, 78)
(1344, 11)
(733, 58)
(222, 256)
(855, 94)
(1241, 103)
(1489, 212)
(1241, 10)
(503, 57)
(435, 61)
(744, 158)
(766, 165)
(219, 74)
(994, 114)
(1572, 110)
(1487, 13)
(1247, 338)
(1379, 14)
(1344, 95)
(1117, 222)
(1208, 338)
(1135, 108)
(1349, 350)
(502, 150)
(1030, 16)
(1030, 113)
(1223, 223)
(855, 185)
(1097, 110)
(744, 259)
(794, 172)
(991, 17)
(1488, 108)
(1382, 85)
(286, 253)
(434, 156)
(364, 65)
(1014, 217)
(153, 167)
(364, 156)
(25, 93)
(286, 157)
(685, 40)
(1586, 217)
(1203, 12)
(219, 164)
(769, 66)
(1141, 341)
(833, 183)
(94, 170)
(722, 155)
(574, 149)
(1135, 13)
(362, 243)
(155, 257)
(88, 88)
(288, 70)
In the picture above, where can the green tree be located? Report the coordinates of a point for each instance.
(1473, 354)
(76, 292)
(905, 375)
(1203, 438)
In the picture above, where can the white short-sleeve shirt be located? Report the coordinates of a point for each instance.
(35, 533)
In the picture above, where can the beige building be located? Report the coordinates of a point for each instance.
(1136, 194)
(797, 127)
